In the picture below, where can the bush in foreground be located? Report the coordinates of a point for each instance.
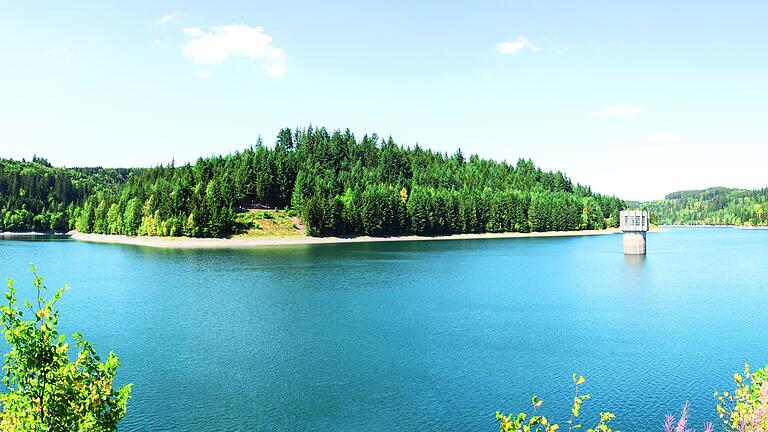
(743, 410)
(746, 408)
(522, 422)
(45, 391)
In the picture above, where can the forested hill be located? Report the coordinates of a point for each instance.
(338, 184)
(34, 196)
(713, 206)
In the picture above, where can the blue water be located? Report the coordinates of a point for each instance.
(432, 335)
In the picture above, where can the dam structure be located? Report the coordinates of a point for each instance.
(634, 224)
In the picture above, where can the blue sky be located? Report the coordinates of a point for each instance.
(673, 91)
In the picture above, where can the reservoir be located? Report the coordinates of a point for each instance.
(421, 335)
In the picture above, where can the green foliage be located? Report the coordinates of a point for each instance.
(745, 408)
(523, 422)
(337, 184)
(45, 391)
(742, 410)
(714, 206)
(34, 196)
(441, 194)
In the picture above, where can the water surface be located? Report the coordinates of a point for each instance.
(428, 335)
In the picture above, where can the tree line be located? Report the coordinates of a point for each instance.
(713, 206)
(35, 196)
(340, 185)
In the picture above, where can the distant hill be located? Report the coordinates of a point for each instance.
(36, 196)
(712, 206)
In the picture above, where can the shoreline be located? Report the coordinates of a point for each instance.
(236, 243)
(738, 227)
(699, 226)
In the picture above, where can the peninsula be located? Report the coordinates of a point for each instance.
(320, 183)
(249, 242)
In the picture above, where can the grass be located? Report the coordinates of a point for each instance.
(268, 223)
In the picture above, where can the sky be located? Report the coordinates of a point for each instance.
(636, 99)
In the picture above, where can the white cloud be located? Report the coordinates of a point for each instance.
(202, 73)
(59, 52)
(167, 18)
(193, 31)
(222, 42)
(515, 46)
(619, 110)
(664, 136)
(276, 70)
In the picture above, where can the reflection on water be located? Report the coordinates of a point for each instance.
(633, 266)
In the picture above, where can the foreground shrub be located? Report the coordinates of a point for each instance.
(746, 408)
(522, 422)
(681, 425)
(743, 410)
(45, 391)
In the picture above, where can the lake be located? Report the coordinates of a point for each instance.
(423, 335)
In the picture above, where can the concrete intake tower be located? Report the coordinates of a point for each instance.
(634, 225)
